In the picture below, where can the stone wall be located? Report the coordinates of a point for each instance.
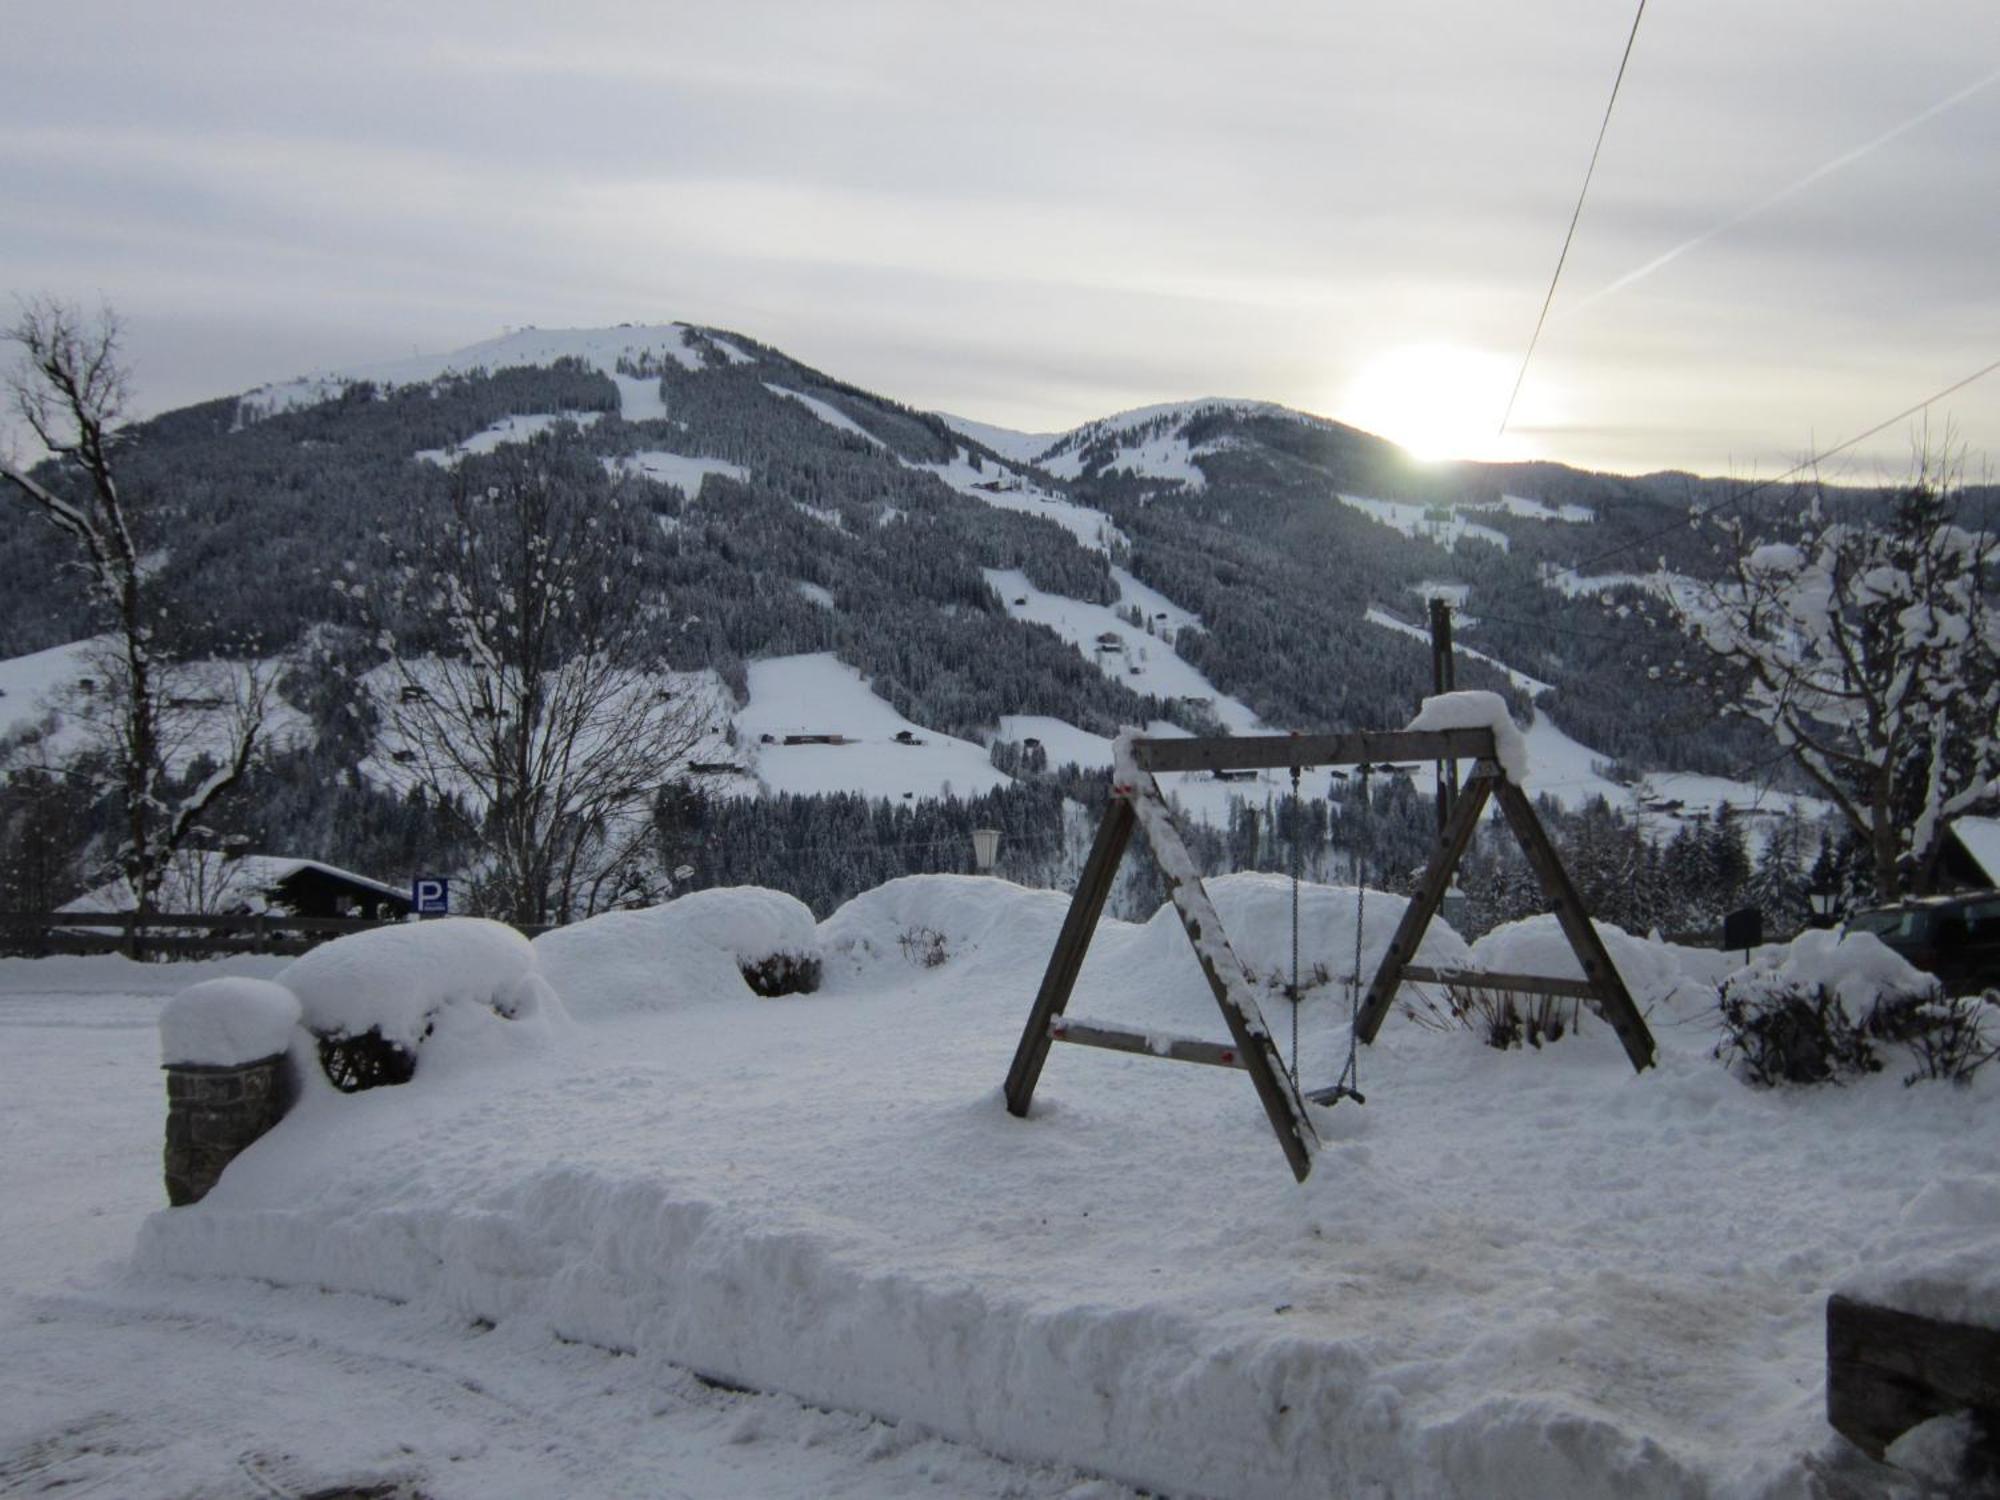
(213, 1114)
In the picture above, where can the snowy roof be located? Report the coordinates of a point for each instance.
(1980, 838)
(206, 880)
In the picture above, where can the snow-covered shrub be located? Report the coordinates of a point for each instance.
(373, 999)
(1505, 1018)
(1776, 1032)
(924, 947)
(980, 920)
(1944, 1034)
(782, 974)
(1652, 972)
(1813, 1011)
(726, 942)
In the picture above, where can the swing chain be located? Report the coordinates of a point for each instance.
(1294, 994)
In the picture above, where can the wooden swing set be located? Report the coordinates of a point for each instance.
(1136, 801)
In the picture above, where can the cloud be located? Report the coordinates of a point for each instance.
(1036, 211)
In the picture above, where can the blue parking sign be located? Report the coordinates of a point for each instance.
(431, 895)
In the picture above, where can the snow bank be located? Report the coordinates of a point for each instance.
(1942, 1260)
(1508, 1278)
(448, 976)
(979, 922)
(690, 950)
(225, 1022)
(1653, 971)
(1474, 709)
(1857, 968)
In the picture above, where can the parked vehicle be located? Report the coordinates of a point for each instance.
(1956, 938)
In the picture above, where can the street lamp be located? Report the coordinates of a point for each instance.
(1825, 901)
(1452, 905)
(985, 848)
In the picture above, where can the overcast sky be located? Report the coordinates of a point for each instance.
(1035, 214)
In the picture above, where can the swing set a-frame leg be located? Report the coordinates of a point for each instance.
(1093, 888)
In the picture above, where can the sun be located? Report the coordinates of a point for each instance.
(1436, 402)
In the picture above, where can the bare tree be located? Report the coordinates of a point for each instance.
(525, 683)
(1863, 634)
(70, 390)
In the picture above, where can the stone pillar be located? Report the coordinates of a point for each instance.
(213, 1114)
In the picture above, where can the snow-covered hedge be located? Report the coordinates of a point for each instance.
(224, 1023)
(734, 941)
(1822, 1008)
(374, 998)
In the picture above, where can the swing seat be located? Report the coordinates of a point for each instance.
(1332, 1094)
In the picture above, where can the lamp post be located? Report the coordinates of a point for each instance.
(1452, 905)
(1825, 901)
(985, 849)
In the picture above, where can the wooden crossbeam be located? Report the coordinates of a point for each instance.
(1251, 752)
(1522, 984)
(1145, 1043)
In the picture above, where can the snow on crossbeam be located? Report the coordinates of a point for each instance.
(1150, 1043)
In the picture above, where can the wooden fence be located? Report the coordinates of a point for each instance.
(182, 934)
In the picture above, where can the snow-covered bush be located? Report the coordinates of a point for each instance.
(976, 918)
(373, 999)
(1652, 973)
(707, 945)
(924, 947)
(1777, 1032)
(1506, 1019)
(1945, 1034)
(1814, 1010)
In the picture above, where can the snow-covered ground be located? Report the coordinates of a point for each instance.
(1144, 662)
(600, 347)
(818, 694)
(1511, 1274)
(1006, 490)
(516, 429)
(1022, 447)
(44, 690)
(1533, 686)
(1160, 453)
(1446, 526)
(684, 471)
(832, 415)
(135, 1385)
(30, 684)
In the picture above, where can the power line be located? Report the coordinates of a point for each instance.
(1603, 127)
(1699, 513)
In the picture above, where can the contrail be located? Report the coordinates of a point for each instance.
(1845, 159)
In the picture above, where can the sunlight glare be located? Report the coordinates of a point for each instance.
(1437, 402)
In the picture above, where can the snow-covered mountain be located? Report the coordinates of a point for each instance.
(911, 589)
